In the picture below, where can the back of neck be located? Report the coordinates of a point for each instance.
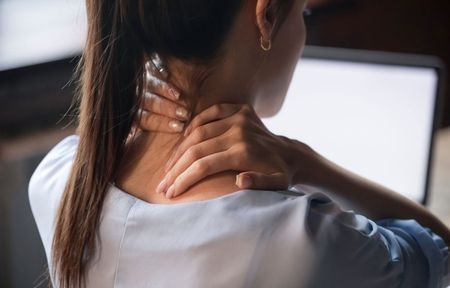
(143, 169)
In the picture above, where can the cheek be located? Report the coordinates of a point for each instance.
(280, 65)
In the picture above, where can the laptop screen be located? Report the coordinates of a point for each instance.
(373, 119)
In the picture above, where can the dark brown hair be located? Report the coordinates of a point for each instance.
(121, 33)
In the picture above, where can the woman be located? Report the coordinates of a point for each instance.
(184, 220)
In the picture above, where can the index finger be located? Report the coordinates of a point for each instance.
(213, 113)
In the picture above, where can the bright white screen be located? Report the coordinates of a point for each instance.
(375, 120)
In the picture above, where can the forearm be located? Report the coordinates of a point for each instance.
(368, 198)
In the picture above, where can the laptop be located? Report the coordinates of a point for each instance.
(373, 113)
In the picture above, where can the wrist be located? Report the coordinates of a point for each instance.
(304, 164)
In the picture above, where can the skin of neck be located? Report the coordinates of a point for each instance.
(232, 79)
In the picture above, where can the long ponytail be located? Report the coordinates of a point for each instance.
(110, 75)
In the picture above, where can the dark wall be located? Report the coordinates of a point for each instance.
(36, 98)
(22, 254)
(411, 26)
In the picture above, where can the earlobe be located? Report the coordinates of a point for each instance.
(265, 19)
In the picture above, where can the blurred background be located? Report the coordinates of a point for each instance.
(40, 42)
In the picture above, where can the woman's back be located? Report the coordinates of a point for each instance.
(245, 239)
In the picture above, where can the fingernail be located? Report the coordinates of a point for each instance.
(176, 126)
(245, 180)
(174, 93)
(161, 187)
(170, 192)
(182, 113)
(187, 131)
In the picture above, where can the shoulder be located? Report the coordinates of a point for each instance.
(306, 210)
(48, 182)
(391, 253)
(55, 164)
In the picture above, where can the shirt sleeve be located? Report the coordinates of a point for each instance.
(357, 252)
(433, 247)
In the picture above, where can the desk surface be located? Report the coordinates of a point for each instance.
(440, 177)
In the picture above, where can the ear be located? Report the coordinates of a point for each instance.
(265, 18)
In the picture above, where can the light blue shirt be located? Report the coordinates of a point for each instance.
(245, 239)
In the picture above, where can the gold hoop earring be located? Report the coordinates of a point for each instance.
(266, 47)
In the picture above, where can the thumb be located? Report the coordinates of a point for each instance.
(261, 181)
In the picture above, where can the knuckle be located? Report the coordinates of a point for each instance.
(193, 153)
(240, 119)
(200, 133)
(240, 134)
(243, 149)
(236, 107)
(140, 115)
(217, 109)
(194, 123)
(246, 110)
(151, 100)
(201, 167)
(240, 130)
(143, 123)
(241, 158)
(150, 120)
(149, 97)
(147, 120)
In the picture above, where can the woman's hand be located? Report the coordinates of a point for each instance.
(162, 109)
(231, 137)
(223, 137)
